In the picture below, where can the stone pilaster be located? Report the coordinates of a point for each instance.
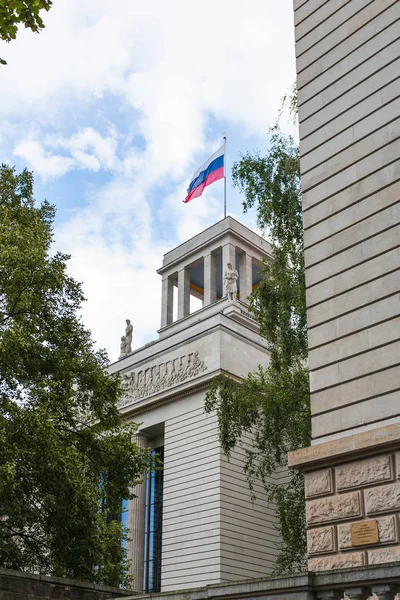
(245, 276)
(137, 516)
(228, 256)
(167, 301)
(183, 293)
(210, 278)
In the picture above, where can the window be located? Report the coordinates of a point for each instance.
(124, 518)
(153, 527)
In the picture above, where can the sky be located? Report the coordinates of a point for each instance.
(114, 106)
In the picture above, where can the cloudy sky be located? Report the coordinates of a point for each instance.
(114, 106)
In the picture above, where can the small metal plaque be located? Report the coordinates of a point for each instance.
(364, 533)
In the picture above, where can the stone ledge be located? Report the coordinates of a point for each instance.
(12, 574)
(293, 587)
(353, 446)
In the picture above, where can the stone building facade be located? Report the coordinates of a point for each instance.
(347, 58)
(196, 524)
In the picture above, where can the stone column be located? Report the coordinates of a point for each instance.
(210, 279)
(245, 276)
(183, 293)
(167, 301)
(228, 255)
(137, 517)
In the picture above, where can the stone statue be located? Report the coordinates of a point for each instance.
(126, 340)
(122, 346)
(128, 336)
(230, 282)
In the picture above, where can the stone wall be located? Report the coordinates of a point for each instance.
(338, 497)
(347, 60)
(372, 583)
(347, 63)
(19, 585)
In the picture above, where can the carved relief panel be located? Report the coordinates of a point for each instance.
(147, 381)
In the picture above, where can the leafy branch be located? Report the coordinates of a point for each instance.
(16, 12)
(272, 405)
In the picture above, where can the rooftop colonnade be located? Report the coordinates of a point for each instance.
(197, 266)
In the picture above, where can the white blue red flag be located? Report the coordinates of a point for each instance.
(211, 171)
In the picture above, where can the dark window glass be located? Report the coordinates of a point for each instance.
(153, 528)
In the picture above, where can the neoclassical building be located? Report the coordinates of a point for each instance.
(194, 523)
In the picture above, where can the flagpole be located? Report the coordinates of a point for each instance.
(225, 175)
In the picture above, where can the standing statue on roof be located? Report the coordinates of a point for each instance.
(231, 277)
(126, 340)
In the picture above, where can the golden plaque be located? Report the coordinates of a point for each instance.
(364, 533)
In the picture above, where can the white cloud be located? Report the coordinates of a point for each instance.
(103, 149)
(112, 239)
(87, 150)
(182, 72)
(46, 164)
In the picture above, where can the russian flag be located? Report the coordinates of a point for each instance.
(211, 171)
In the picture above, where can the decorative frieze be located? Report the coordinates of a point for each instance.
(143, 383)
(363, 472)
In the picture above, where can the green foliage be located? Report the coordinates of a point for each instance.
(272, 185)
(290, 103)
(14, 12)
(60, 431)
(273, 404)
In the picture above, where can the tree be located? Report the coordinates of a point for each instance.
(273, 404)
(14, 12)
(67, 460)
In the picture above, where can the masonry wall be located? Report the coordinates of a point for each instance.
(337, 498)
(20, 585)
(348, 69)
(191, 511)
(212, 531)
(249, 538)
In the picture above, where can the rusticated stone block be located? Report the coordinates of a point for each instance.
(321, 540)
(384, 498)
(334, 508)
(336, 561)
(386, 527)
(364, 472)
(397, 459)
(383, 555)
(318, 483)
